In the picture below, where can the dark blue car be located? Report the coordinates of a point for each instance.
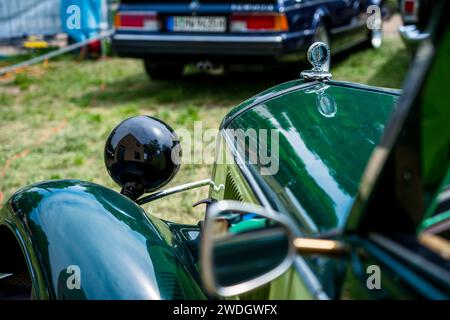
(168, 34)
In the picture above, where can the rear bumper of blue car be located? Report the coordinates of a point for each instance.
(198, 46)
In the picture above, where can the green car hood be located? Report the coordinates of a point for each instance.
(326, 132)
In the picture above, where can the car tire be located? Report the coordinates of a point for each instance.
(322, 35)
(160, 71)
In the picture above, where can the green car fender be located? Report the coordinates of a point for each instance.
(84, 241)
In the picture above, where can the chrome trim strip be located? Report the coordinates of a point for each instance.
(346, 84)
(198, 38)
(313, 284)
(227, 120)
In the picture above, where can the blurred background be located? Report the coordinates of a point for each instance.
(55, 115)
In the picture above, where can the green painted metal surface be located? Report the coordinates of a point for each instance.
(262, 96)
(326, 136)
(435, 117)
(121, 253)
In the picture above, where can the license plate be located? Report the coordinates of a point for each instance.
(197, 24)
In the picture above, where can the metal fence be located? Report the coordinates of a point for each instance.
(22, 18)
(19, 18)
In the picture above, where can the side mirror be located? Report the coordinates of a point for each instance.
(142, 154)
(244, 247)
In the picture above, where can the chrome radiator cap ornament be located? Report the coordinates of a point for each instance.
(318, 56)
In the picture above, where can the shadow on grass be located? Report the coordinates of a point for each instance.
(221, 89)
(230, 88)
(392, 73)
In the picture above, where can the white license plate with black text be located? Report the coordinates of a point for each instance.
(198, 24)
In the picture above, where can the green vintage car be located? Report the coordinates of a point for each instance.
(350, 200)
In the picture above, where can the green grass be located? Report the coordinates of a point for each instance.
(385, 67)
(54, 121)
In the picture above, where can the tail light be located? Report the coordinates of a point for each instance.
(147, 21)
(409, 6)
(256, 22)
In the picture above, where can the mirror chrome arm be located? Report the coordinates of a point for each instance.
(5, 275)
(319, 246)
(170, 191)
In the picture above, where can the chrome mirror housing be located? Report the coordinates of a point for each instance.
(243, 247)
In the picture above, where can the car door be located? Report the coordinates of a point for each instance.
(349, 22)
(399, 227)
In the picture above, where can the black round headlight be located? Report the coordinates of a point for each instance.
(142, 154)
